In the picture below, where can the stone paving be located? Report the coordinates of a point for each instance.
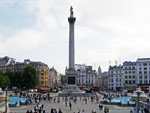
(79, 105)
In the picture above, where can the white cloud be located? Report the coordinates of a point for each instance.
(104, 30)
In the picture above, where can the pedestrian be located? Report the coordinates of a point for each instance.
(60, 111)
(27, 111)
(105, 110)
(44, 111)
(66, 103)
(70, 105)
(52, 110)
(42, 106)
(82, 111)
(55, 111)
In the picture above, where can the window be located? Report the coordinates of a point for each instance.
(140, 77)
(133, 81)
(145, 64)
(129, 72)
(126, 81)
(129, 67)
(133, 72)
(126, 72)
(133, 76)
(145, 77)
(140, 81)
(129, 76)
(145, 72)
(129, 82)
(126, 76)
(140, 72)
(145, 68)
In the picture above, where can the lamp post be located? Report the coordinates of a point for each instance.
(138, 94)
(6, 101)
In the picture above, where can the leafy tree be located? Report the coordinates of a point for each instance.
(15, 78)
(29, 77)
(63, 79)
(4, 81)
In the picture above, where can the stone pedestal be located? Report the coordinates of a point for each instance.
(71, 89)
(71, 76)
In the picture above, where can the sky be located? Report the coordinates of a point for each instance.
(105, 31)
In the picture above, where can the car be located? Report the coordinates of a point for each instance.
(30, 90)
(34, 90)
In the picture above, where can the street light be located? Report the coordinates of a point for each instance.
(138, 94)
(6, 101)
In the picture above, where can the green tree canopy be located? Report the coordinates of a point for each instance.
(4, 81)
(63, 79)
(29, 77)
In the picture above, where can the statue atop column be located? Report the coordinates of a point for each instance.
(71, 11)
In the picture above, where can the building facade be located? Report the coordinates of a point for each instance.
(130, 75)
(52, 77)
(86, 76)
(115, 77)
(42, 70)
(102, 82)
(143, 70)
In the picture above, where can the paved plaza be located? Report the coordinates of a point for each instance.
(79, 105)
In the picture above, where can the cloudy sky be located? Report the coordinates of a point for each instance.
(104, 30)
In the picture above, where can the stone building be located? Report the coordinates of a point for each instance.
(52, 77)
(116, 77)
(86, 76)
(130, 75)
(41, 68)
(102, 81)
(143, 70)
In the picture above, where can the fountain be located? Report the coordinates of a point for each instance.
(139, 95)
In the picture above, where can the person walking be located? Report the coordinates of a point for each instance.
(60, 111)
(52, 110)
(66, 103)
(70, 105)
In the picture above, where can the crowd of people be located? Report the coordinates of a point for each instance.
(39, 108)
(69, 102)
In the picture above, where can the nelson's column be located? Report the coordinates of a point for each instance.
(71, 88)
(71, 73)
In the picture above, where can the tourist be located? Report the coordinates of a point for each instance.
(105, 110)
(52, 110)
(66, 103)
(70, 105)
(60, 111)
(55, 111)
(82, 111)
(42, 106)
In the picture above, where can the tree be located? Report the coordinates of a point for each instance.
(63, 79)
(15, 78)
(4, 81)
(29, 77)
